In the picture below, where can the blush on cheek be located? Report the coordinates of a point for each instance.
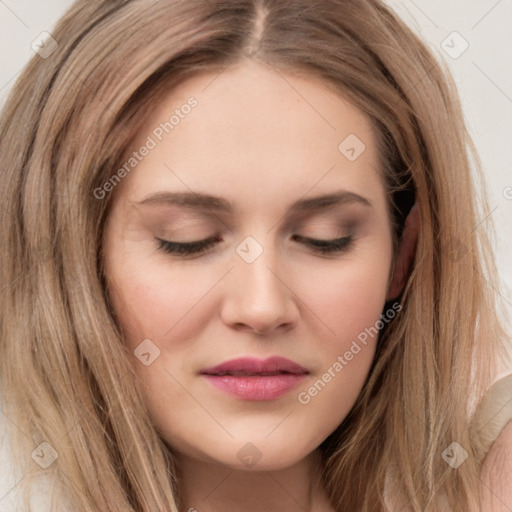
(348, 303)
(158, 304)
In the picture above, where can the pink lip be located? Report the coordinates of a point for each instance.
(256, 379)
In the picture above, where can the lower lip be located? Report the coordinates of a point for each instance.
(264, 387)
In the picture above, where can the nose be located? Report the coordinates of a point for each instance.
(258, 298)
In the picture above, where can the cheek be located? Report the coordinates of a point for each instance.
(348, 297)
(153, 303)
(351, 303)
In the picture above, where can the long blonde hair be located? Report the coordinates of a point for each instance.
(65, 374)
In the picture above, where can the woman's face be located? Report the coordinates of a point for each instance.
(268, 147)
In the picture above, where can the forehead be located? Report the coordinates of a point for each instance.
(253, 130)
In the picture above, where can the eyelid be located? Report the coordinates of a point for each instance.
(324, 247)
(328, 247)
(186, 247)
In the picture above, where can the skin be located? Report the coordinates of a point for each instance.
(262, 144)
(496, 473)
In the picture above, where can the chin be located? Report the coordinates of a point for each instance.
(258, 455)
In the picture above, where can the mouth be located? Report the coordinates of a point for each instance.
(253, 379)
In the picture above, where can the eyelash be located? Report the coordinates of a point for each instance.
(321, 246)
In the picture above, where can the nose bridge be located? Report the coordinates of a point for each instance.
(259, 262)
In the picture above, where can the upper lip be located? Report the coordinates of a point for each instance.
(253, 366)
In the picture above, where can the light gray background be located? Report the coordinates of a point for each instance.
(483, 74)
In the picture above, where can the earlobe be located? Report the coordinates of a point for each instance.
(406, 253)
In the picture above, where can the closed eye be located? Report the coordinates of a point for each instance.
(336, 245)
(186, 247)
(327, 246)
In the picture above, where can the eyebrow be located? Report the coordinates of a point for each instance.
(201, 201)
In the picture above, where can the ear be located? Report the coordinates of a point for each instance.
(406, 253)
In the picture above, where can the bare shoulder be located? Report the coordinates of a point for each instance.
(496, 473)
